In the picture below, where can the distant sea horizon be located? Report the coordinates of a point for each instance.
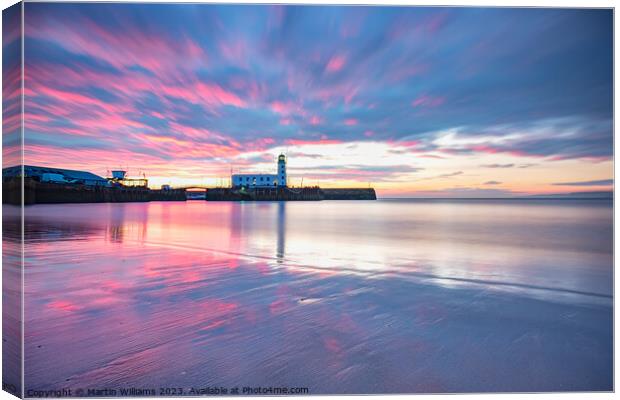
(594, 195)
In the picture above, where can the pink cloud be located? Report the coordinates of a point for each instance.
(345, 90)
(409, 143)
(350, 94)
(209, 94)
(484, 149)
(434, 156)
(281, 107)
(235, 51)
(99, 161)
(315, 120)
(202, 134)
(287, 108)
(259, 144)
(301, 142)
(350, 122)
(335, 64)
(215, 92)
(41, 79)
(427, 101)
(130, 47)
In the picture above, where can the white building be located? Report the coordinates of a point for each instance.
(263, 180)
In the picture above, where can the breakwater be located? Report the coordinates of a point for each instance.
(264, 194)
(36, 192)
(289, 194)
(349, 194)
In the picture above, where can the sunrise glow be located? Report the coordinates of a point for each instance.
(412, 101)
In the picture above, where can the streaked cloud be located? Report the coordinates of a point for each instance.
(408, 96)
(336, 63)
(497, 165)
(601, 182)
(457, 173)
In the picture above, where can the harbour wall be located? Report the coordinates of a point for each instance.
(264, 194)
(349, 194)
(36, 192)
(48, 193)
(290, 194)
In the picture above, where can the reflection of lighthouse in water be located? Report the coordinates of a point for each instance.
(243, 227)
(281, 228)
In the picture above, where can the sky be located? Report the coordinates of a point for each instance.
(455, 102)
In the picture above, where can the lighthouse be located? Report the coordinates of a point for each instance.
(262, 180)
(282, 170)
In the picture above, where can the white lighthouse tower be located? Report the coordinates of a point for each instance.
(262, 180)
(282, 170)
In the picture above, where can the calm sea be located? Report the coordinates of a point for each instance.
(387, 296)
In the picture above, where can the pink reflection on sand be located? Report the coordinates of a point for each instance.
(63, 305)
(214, 293)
